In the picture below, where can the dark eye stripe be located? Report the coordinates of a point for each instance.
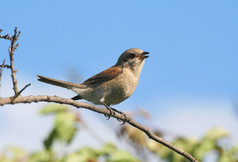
(131, 55)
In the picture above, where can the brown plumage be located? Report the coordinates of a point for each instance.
(104, 76)
(111, 86)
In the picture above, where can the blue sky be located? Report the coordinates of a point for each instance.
(193, 46)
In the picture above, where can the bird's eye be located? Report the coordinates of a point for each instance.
(131, 55)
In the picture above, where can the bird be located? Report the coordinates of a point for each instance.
(111, 86)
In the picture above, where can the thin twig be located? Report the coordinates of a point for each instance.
(56, 99)
(3, 64)
(18, 93)
(11, 50)
(4, 36)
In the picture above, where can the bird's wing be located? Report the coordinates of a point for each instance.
(104, 76)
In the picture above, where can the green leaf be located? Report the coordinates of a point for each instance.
(65, 126)
(53, 109)
(42, 156)
(122, 156)
(225, 158)
(83, 155)
(203, 148)
(48, 142)
(108, 149)
(76, 157)
(209, 142)
(216, 133)
(88, 151)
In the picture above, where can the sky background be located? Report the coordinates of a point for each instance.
(190, 78)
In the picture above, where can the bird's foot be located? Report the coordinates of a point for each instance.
(127, 118)
(111, 112)
(110, 109)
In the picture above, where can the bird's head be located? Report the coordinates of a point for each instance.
(133, 58)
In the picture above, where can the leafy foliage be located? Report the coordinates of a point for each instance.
(64, 126)
(67, 123)
(212, 142)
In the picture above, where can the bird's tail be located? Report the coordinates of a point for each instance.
(59, 82)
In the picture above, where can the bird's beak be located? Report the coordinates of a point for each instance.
(144, 55)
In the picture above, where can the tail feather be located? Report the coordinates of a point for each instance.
(59, 82)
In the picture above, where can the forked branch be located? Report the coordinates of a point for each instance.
(11, 50)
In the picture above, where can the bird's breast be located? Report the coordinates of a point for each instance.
(113, 91)
(121, 87)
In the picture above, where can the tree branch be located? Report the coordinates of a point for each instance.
(56, 99)
(2, 66)
(11, 50)
(18, 93)
(4, 36)
(5, 66)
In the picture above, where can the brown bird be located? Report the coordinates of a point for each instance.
(113, 85)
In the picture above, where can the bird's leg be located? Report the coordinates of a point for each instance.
(112, 111)
(123, 114)
(109, 108)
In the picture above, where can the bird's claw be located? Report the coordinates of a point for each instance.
(127, 118)
(111, 112)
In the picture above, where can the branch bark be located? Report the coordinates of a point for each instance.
(11, 50)
(3, 64)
